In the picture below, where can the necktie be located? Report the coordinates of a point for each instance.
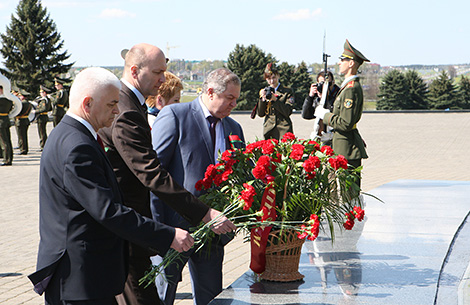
(100, 142)
(213, 121)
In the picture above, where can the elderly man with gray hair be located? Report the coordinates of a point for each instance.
(83, 224)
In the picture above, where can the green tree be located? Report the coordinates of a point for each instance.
(418, 91)
(464, 92)
(249, 63)
(443, 93)
(301, 82)
(31, 48)
(394, 92)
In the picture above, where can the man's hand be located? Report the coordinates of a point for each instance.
(222, 225)
(314, 90)
(183, 241)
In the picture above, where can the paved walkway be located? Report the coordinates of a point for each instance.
(427, 146)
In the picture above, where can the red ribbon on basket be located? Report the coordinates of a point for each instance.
(259, 236)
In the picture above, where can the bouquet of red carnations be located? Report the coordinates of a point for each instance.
(291, 184)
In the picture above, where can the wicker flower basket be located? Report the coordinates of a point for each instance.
(282, 257)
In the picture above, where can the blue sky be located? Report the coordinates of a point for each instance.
(387, 32)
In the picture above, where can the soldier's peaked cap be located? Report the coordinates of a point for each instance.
(352, 53)
(45, 89)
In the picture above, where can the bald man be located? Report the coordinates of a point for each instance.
(128, 145)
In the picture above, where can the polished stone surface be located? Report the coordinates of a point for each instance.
(414, 248)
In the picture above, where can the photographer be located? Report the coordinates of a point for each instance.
(312, 101)
(275, 104)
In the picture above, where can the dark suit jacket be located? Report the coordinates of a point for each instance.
(183, 143)
(82, 222)
(135, 163)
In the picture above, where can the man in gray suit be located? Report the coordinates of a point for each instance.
(185, 146)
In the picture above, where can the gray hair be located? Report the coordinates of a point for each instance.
(219, 79)
(92, 82)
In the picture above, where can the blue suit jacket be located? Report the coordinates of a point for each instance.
(181, 137)
(82, 222)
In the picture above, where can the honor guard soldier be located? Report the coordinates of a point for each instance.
(44, 106)
(22, 122)
(6, 105)
(347, 109)
(61, 102)
(275, 104)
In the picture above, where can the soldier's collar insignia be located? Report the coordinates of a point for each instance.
(351, 84)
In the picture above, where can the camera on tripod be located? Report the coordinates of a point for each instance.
(269, 92)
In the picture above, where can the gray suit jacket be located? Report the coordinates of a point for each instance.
(181, 137)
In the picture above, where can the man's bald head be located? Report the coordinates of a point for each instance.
(144, 68)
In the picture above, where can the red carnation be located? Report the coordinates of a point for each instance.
(349, 224)
(316, 146)
(288, 136)
(207, 182)
(248, 195)
(227, 155)
(327, 150)
(297, 151)
(199, 185)
(359, 213)
(267, 147)
(312, 163)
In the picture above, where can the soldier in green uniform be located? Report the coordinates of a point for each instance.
(275, 104)
(44, 106)
(22, 122)
(61, 102)
(6, 106)
(347, 109)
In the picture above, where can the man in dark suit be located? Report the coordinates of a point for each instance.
(135, 163)
(182, 137)
(83, 255)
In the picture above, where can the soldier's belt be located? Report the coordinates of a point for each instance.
(43, 113)
(61, 106)
(3, 114)
(23, 117)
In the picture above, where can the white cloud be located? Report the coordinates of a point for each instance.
(178, 20)
(116, 13)
(301, 14)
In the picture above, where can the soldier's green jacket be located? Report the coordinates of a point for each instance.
(44, 105)
(347, 111)
(5, 107)
(61, 102)
(277, 120)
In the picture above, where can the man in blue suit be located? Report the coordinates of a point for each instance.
(84, 227)
(185, 145)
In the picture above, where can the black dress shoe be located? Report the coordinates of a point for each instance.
(6, 164)
(23, 153)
